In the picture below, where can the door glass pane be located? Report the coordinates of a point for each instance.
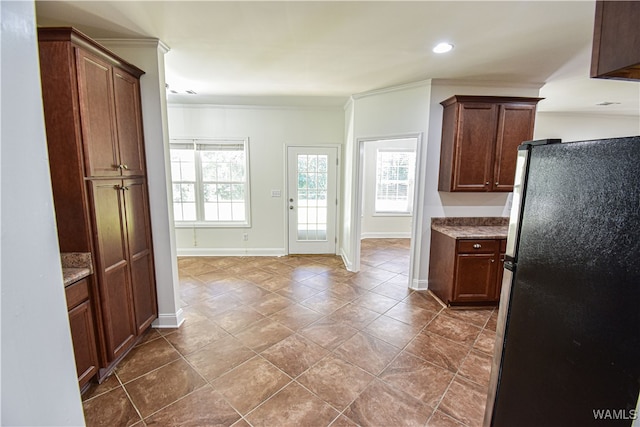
(312, 197)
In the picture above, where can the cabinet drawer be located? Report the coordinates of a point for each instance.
(477, 246)
(77, 293)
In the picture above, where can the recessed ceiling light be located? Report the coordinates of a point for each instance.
(443, 47)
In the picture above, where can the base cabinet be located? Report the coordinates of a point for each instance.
(82, 330)
(466, 271)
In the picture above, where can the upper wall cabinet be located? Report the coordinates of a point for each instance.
(616, 40)
(480, 136)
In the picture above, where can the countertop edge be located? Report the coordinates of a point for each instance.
(71, 275)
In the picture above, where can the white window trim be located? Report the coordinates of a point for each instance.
(410, 188)
(198, 193)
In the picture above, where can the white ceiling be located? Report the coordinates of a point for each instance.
(322, 52)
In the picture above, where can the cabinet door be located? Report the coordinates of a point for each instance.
(140, 252)
(113, 267)
(515, 125)
(96, 115)
(129, 122)
(475, 278)
(474, 147)
(84, 341)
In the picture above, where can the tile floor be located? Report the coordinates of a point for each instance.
(300, 341)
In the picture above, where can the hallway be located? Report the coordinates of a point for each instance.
(300, 341)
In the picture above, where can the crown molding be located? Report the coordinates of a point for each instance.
(145, 42)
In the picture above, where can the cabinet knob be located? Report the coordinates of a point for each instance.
(125, 167)
(477, 246)
(497, 183)
(486, 183)
(493, 260)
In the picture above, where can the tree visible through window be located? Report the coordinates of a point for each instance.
(210, 181)
(394, 181)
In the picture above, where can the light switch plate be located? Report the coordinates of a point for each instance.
(276, 193)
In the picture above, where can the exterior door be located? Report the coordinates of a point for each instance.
(312, 199)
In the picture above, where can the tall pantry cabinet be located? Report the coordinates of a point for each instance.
(96, 153)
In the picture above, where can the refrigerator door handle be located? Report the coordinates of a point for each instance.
(509, 263)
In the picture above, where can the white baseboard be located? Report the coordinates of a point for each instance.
(231, 252)
(169, 320)
(419, 285)
(386, 235)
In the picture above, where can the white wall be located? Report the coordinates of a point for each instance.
(39, 382)
(399, 111)
(578, 127)
(381, 225)
(268, 130)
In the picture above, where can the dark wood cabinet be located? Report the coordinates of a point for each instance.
(112, 266)
(616, 40)
(93, 121)
(139, 251)
(480, 136)
(110, 118)
(466, 271)
(82, 330)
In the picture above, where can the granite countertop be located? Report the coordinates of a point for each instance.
(472, 227)
(75, 266)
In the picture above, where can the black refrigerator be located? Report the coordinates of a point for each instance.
(568, 336)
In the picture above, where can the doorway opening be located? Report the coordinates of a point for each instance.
(387, 173)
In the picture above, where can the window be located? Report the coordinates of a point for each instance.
(394, 181)
(210, 182)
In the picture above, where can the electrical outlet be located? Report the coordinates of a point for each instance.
(245, 236)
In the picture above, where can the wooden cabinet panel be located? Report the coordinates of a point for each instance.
(480, 136)
(477, 246)
(139, 242)
(474, 150)
(128, 119)
(113, 266)
(84, 342)
(97, 115)
(475, 278)
(82, 330)
(515, 125)
(616, 40)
